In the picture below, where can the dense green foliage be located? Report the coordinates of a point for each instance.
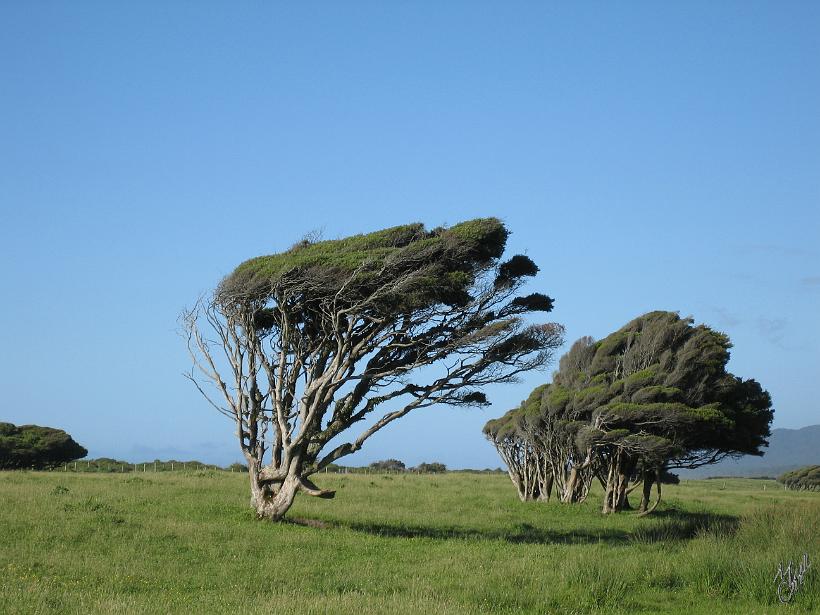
(32, 446)
(392, 465)
(807, 479)
(658, 389)
(360, 264)
(412, 544)
(431, 468)
(651, 396)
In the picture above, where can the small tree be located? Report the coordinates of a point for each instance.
(326, 334)
(431, 468)
(32, 446)
(389, 465)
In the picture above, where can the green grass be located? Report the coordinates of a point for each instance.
(454, 543)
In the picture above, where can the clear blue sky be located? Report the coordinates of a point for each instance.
(645, 155)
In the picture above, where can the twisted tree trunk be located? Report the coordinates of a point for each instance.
(645, 508)
(648, 480)
(271, 499)
(272, 504)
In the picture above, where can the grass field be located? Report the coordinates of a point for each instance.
(454, 543)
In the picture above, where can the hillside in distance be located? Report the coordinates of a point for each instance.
(788, 449)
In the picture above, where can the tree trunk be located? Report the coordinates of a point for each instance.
(271, 500)
(545, 488)
(272, 504)
(622, 502)
(617, 490)
(658, 474)
(648, 480)
(610, 487)
(522, 491)
(569, 492)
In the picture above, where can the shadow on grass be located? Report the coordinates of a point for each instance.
(520, 533)
(668, 526)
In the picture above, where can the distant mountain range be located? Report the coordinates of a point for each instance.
(788, 449)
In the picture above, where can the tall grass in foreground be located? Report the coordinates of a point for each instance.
(740, 563)
(456, 543)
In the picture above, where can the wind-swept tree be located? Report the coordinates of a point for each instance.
(653, 396)
(659, 397)
(313, 340)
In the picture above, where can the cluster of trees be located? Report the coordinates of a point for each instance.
(388, 465)
(394, 465)
(802, 479)
(652, 396)
(297, 348)
(35, 447)
(430, 468)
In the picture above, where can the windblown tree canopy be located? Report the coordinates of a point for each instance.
(652, 396)
(330, 333)
(32, 446)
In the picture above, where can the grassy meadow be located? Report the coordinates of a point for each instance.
(456, 543)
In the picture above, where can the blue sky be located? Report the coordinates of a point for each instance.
(645, 155)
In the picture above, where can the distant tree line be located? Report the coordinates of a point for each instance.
(111, 465)
(802, 479)
(653, 396)
(394, 465)
(422, 468)
(107, 464)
